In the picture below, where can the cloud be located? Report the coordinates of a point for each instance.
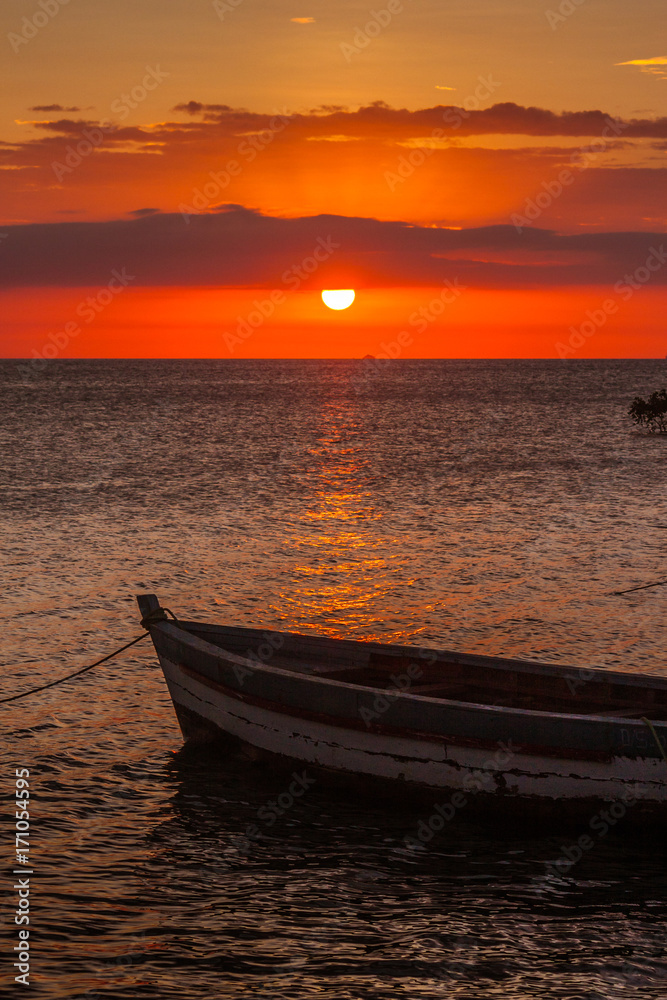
(141, 212)
(376, 122)
(52, 107)
(302, 20)
(332, 138)
(655, 61)
(657, 66)
(439, 86)
(334, 159)
(378, 119)
(196, 108)
(327, 109)
(237, 247)
(66, 126)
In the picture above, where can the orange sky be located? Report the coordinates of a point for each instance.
(208, 154)
(165, 322)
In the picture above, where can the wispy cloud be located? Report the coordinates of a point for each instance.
(657, 66)
(53, 107)
(302, 20)
(333, 138)
(655, 61)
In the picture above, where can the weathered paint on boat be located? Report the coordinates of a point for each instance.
(367, 709)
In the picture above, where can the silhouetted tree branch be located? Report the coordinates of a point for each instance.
(651, 413)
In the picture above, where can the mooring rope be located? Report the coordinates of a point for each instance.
(158, 615)
(642, 586)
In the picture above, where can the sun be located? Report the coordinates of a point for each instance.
(338, 298)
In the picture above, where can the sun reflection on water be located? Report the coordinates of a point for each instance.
(347, 561)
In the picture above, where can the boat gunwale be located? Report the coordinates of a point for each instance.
(175, 630)
(600, 674)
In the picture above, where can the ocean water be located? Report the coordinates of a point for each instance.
(492, 506)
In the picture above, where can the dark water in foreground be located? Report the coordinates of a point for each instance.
(477, 505)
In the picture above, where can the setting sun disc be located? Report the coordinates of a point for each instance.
(338, 298)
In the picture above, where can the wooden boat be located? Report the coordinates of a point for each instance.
(481, 728)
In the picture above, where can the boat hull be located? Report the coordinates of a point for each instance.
(500, 772)
(470, 728)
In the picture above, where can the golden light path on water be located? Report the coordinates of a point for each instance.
(348, 562)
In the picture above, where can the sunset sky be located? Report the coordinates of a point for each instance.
(182, 179)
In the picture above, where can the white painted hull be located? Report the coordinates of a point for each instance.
(435, 764)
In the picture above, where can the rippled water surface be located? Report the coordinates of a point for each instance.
(488, 506)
